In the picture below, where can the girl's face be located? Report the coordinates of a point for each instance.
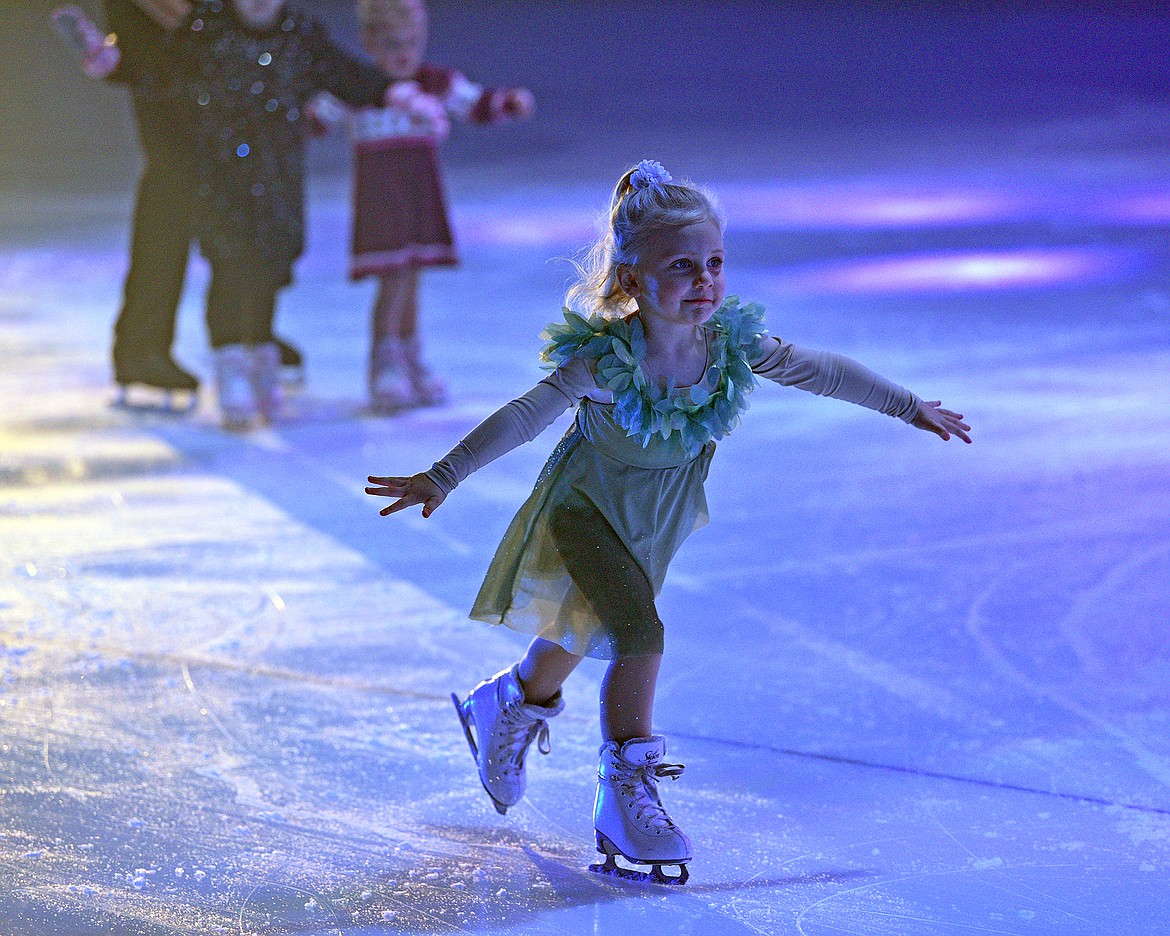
(397, 50)
(259, 14)
(678, 279)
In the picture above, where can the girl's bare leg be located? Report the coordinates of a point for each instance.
(396, 305)
(393, 324)
(627, 698)
(399, 378)
(628, 814)
(627, 691)
(544, 668)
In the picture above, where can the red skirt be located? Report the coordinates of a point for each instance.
(399, 211)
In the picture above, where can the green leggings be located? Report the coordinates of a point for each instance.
(609, 577)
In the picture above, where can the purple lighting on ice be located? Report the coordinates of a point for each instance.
(1151, 207)
(753, 207)
(842, 206)
(964, 271)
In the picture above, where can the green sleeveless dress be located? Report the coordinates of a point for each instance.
(641, 461)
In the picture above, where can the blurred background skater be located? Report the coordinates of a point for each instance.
(400, 222)
(162, 225)
(164, 213)
(245, 70)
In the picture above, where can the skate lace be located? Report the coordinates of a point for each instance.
(518, 731)
(640, 787)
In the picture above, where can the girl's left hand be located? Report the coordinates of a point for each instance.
(943, 423)
(417, 489)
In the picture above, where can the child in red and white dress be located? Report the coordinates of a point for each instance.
(400, 213)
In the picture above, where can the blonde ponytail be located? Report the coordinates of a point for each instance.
(645, 200)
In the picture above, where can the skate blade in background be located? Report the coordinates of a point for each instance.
(144, 398)
(292, 379)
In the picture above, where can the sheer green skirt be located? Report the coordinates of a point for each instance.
(652, 498)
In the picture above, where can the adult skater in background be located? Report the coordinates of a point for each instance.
(658, 364)
(164, 208)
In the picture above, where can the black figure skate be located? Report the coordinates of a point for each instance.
(292, 364)
(154, 383)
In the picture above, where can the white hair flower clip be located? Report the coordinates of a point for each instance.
(649, 173)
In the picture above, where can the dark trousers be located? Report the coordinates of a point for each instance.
(241, 302)
(160, 239)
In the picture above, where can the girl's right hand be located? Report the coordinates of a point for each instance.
(417, 489)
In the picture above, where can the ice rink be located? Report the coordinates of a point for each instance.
(920, 688)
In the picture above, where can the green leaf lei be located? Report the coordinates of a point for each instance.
(705, 411)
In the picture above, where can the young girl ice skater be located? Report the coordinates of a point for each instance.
(400, 215)
(658, 364)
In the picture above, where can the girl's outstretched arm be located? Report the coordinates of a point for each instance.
(942, 422)
(417, 489)
(827, 374)
(511, 425)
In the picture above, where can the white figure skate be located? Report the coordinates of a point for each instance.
(391, 390)
(629, 818)
(234, 369)
(267, 390)
(429, 390)
(500, 726)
